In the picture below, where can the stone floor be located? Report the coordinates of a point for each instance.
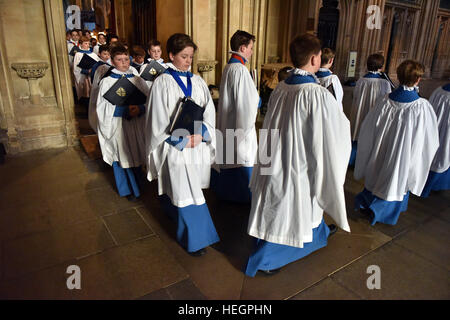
(59, 208)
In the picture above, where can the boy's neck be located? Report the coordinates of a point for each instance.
(309, 68)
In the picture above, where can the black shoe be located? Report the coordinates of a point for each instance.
(270, 272)
(333, 229)
(198, 253)
(132, 198)
(368, 214)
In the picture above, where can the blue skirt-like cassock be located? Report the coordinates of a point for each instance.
(384, 211)
(232, 184)
(195, 228)
(126, 180)
(436, 181)
(269, 256)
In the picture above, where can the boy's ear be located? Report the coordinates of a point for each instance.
(171, 56)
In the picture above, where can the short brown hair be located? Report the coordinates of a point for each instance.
(409, 72)
(241, 38)
(153, 43)
(327, 55)
(84, 39)
(137, 51)
(118, 49)
(375, 62)
(103, 47)
(178, 42)
(303, 47)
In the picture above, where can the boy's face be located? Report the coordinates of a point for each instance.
(155, 52)
(101, 39)
(183, 59)
(139, 59)
(74, 35)
(247, 51)
(85, 45)
(121, 62)
(104, 55)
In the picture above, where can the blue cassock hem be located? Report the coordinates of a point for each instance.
(232, 184)
(436, 181)
(269, 256)
(353, 154)
(126, 180)
(195, 228)
(384, 211)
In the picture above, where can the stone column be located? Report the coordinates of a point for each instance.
(427, 34)
(247, 15)
(54, 17)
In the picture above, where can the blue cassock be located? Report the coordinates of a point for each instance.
(233, 184)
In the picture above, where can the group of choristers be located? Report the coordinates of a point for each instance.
(396, 140)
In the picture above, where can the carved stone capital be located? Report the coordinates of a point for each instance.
(204, 66)
(30, 70)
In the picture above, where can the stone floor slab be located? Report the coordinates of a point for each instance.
(124, 272)
(430, 241)
(127, 226)
(185, 290)
(41, 250)
(343, 248)
(326, 289)
(404, 276)
(213, 274)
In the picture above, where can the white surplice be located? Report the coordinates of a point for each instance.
(181, 174)
(366, 94)
(307, 166)
(82, 81)
(335, 82)
(120, 140)
(396, 145)
(237, 111)
(440, 100)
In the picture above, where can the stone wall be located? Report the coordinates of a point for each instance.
(416, 36)
(37, 103)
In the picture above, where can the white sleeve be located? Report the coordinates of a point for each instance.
(338, 90)
(107, 123)
(247, 100)
(76, 69)
(331, 153)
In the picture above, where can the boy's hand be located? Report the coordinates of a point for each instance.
(194, 140)
(133, 110)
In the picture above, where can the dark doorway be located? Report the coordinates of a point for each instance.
(144, 19)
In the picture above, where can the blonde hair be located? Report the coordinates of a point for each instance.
(409, 72)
